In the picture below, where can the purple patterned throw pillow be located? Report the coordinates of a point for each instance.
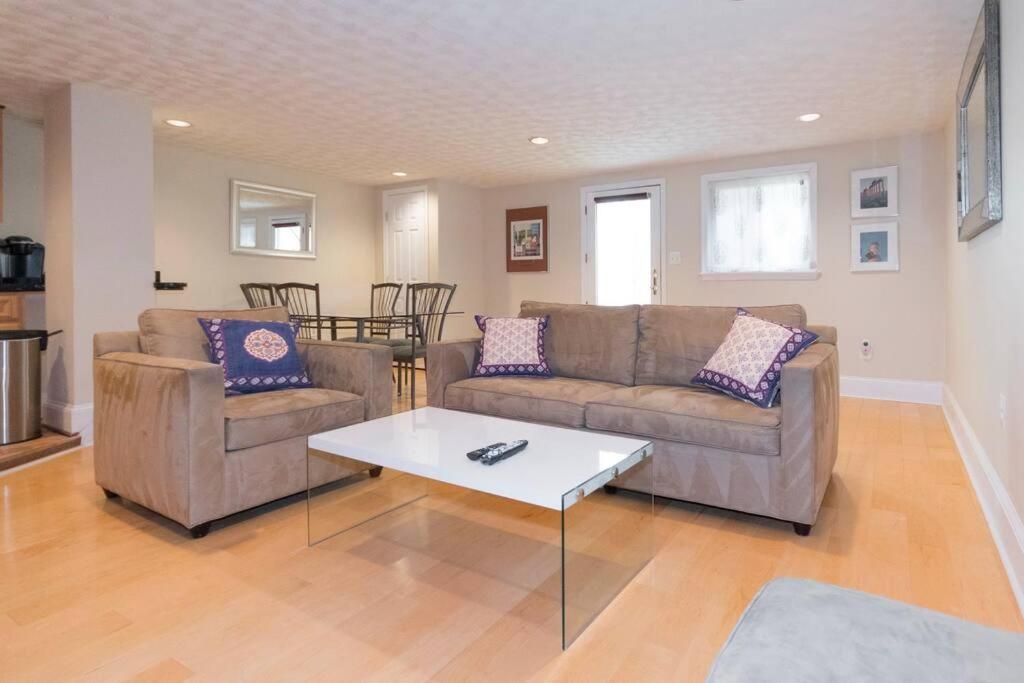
(748, 364)
(255, 355)
(512, 346)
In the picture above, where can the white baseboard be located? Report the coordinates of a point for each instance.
(69, 419)
(1000, 512)
(905, 390)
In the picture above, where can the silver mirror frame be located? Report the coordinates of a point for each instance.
(983, 51)
(236, 187)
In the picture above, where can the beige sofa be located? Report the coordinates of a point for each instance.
(628, 369)
(168, 439)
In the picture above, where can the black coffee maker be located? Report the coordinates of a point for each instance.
(21, 264)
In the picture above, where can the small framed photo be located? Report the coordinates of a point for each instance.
(526, 239)
(874, 247)
(875, 192)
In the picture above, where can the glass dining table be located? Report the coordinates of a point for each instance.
(329, 327)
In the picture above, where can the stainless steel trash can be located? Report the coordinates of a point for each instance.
(20, 380)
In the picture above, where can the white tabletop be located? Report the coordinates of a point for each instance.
(433, 442)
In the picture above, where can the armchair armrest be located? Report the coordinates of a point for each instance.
(810, 428)
(447, 362)
(362, 369)
(159, 433)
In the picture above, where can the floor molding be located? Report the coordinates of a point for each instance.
(69, 419)
(1002, 517)
(904, 390)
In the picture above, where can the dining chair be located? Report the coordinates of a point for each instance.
(303, 303)
(383, 301)
(259, 294)
(427, 303)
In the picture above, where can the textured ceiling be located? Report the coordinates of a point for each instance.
(454, 89)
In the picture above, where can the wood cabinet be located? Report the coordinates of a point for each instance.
(12, 310)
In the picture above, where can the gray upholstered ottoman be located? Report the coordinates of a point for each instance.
(798, 630)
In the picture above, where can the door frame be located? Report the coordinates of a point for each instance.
(391, 192)
(588, 288)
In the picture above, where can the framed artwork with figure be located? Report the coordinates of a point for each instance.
(874, 247)
(526, 239)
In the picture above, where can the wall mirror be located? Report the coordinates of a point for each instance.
(272, 221)
(979, 155)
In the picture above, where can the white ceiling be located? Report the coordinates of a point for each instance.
(454, 89)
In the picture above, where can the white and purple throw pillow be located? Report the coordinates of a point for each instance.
(512, 346)
(255, 355)
(748, 364)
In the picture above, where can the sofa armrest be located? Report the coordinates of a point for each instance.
(810, 429)
(159, 433)
(361, 369)
(447, 362)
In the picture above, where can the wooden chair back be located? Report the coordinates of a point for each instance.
(259, 294)
(428, 302)
(303, 300)
(383, 299)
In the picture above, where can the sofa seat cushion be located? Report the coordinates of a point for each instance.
(256, 419)
(688, 415)
(552, 400)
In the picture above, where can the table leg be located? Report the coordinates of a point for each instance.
(361, 331)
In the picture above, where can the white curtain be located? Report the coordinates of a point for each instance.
(760, 225)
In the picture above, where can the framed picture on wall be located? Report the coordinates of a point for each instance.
(874, 247)
(875, 192)
(526, 239)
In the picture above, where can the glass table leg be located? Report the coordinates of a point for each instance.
(343, 493)
(607, 539)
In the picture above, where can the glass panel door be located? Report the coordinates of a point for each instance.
(622, 246)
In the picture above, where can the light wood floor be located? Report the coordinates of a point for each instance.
(100, 590)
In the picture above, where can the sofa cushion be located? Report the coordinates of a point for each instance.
(512, 346)
(554, 400)
(256, 419)
(256, 355)
(676, 341)
(589, 342)
(174, 333)
(748, 364)
(688, 415)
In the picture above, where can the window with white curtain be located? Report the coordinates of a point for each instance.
(760, 222)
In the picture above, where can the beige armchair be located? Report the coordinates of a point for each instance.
(168, 439)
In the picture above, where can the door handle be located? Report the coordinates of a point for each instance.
(654, 282)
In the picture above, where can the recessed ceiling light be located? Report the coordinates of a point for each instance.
(178, 123)
(807, 118)
(399, 174)
(539, 140)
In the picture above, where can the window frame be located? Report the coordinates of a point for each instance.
(706, 181)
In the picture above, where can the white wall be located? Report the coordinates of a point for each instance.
(23, 178)
(902, 313)
(192, 206)
(985, 334)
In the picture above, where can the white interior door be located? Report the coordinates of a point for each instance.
(405, 236)
(622, 250)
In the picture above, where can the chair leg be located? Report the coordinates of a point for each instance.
(200, 530)
(375, 471)
(801, 529)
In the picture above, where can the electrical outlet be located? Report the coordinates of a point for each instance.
(674, 258)
(1002, 409)
(867, 351)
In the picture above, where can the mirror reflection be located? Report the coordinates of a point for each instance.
(272, 221)
(977, 179)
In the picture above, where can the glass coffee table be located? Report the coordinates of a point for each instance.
(606, 537)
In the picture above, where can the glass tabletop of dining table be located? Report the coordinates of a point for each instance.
(370, 328)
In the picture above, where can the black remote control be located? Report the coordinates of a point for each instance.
(501, 452)
(475, 455)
